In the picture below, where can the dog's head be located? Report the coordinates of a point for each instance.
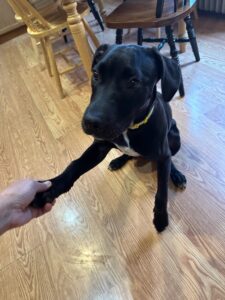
(124, 85)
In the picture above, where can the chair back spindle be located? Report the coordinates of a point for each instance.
(164, 7)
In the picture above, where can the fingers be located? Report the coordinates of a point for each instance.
(43, 186)
(47, 207)
(37, 212)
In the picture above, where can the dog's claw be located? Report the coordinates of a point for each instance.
(110, 167)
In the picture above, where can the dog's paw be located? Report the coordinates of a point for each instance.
(42, 198)
(178, 179)
(116, 164)
(160, 220)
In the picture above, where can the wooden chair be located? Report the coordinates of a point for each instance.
(155, 14)
(95, 13)
(46, 29)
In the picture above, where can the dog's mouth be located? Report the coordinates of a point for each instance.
(109, 136)
(107, 132)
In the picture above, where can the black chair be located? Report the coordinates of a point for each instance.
(155, 14)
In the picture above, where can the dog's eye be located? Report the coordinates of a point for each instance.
(133, 82)
(95, 75)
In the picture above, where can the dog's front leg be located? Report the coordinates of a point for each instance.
(160, 210)
(62, 183)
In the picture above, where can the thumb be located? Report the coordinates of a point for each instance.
(43, 186)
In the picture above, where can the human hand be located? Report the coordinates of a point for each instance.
(15, 209)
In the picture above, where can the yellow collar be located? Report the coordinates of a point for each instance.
(137, 125)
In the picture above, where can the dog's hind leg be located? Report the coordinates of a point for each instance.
(176, 176)
(178, 179)
(119, 162)
(174, 138)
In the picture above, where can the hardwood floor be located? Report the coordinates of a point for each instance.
(99, 241)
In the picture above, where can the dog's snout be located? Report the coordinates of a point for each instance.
(99, 126)
(92, 123)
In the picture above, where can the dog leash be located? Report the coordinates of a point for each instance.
(137, 125)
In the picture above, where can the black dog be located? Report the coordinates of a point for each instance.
(127, 113)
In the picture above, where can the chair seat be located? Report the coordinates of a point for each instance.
(142, 13)
(57, 20)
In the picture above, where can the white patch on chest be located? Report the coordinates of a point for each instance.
(127, 149)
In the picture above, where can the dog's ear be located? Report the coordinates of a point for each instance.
(169, 73)
(99, 53)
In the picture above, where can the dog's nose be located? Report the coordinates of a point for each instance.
(92, 123)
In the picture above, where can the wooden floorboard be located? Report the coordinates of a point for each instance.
(99, 241)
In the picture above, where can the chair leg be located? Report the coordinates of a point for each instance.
(46, 57)
(95, 13)
(65, 36)
(158, 34)
(174, 54)
(140, 36)
(35, 43)
(91, 33)
(192, 37)
(119, 36)
(195, 13)
(54, 66)
(182, 34)
(101, 7)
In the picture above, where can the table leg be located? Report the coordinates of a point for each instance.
(181, 34)
(101, 8)
(79, 35)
